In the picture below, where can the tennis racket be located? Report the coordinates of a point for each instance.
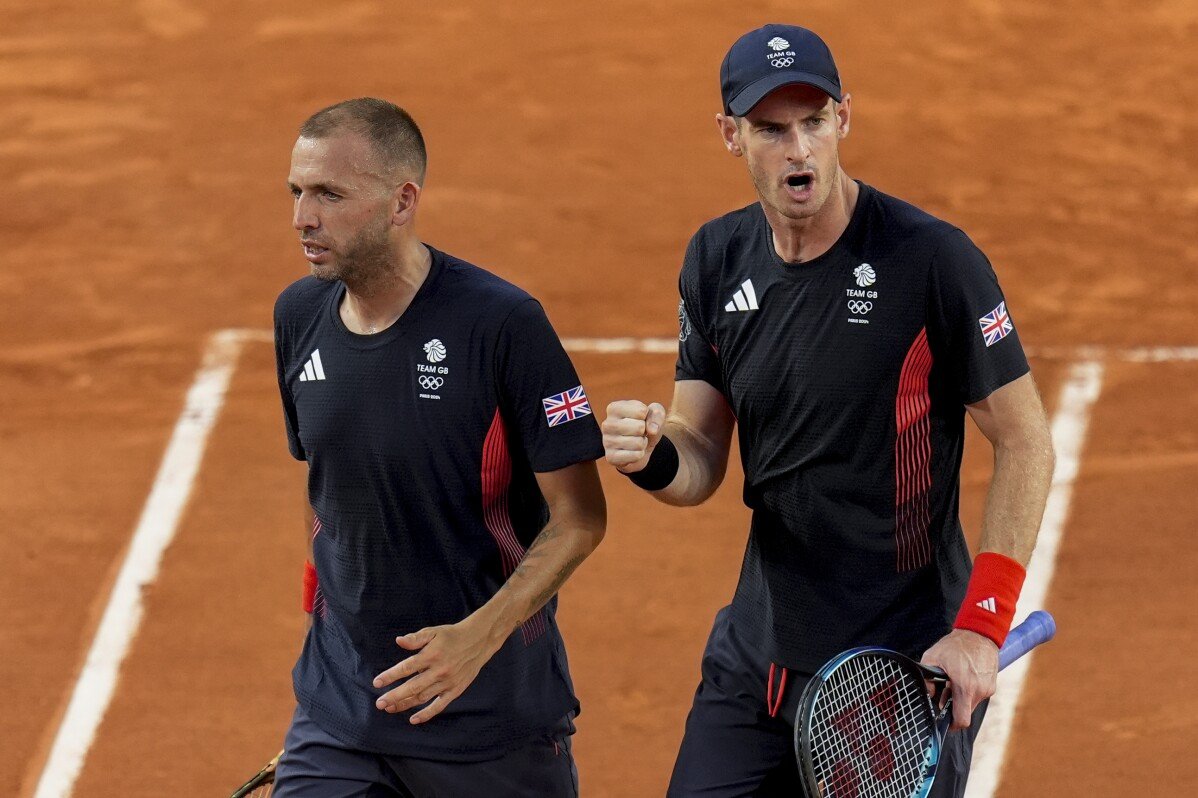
(868, 728)
(261, 785)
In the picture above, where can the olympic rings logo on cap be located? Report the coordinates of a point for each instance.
(859, 307)
(430, 383)
(782, 62)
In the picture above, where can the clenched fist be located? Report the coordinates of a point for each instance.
(630, 432)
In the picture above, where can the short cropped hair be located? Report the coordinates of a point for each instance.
(389, 129)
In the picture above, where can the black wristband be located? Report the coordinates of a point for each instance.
(661, 469)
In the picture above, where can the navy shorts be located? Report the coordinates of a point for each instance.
(317, 765)
(739, 738)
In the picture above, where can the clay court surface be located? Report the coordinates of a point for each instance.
(144, 147)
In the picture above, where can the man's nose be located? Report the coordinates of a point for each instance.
(799, 147)
(304, 216)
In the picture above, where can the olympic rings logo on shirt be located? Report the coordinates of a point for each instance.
(782, 62)
(859, 307)
(430, 383)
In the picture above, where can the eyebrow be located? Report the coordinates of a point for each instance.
(818, 113)
(318, 187)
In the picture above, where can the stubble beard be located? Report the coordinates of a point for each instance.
(774, 195)
(366, 258)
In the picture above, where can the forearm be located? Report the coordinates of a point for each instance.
(702, 464)
(554, 555)
(1017, 496)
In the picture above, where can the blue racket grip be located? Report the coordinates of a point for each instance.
(1038, 628)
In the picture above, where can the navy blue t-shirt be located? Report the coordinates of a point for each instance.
(848, 376)
(422, 444)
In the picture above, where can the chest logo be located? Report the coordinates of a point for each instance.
(431, 383)
(432, 378)
(313, 368)
(865, 275)
(434, 350)
(745, 298)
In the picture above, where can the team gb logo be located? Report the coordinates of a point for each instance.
(778, 43)
(435, 351)
(865, 275)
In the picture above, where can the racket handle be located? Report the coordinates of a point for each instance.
(1038, 628)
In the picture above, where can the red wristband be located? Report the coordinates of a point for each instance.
(310, 583)
(989, 605)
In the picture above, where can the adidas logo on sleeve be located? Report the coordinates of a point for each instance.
(745, 298)
(313, 368)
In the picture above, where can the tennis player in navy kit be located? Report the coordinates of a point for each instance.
(451, 478)
(844, 334)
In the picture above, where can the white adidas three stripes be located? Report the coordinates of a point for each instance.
(745, 298)
(313, 368)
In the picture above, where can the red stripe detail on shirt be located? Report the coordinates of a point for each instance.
(496, 481)
(320, 605)
(773, 703)
(913, 458)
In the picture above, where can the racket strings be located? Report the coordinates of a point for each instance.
(871, 727)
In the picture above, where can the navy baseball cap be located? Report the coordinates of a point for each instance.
(773, 56)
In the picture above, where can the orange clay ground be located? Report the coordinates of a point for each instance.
(144, 147)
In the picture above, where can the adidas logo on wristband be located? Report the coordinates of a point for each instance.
(988, 604)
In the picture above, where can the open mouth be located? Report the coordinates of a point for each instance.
(799, 180)
(312, 250)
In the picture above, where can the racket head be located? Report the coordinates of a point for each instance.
(867, 728)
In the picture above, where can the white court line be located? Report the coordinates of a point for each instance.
(159, 518)
(615, 346)
(1078, 394)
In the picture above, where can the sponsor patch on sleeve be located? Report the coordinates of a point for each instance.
(684, 322)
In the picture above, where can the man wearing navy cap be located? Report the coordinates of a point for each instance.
(844, 334)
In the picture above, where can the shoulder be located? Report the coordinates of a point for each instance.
(953, 265)
(717, 235)
(303, 292)
(904, 225)
(486, 293)
(302, 297)
(720, 239)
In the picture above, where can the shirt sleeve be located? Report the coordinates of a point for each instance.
(290, 416)
(541, 394)
(697, 356)
(970, 321)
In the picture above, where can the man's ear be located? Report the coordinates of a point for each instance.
(729, 127)
(844, 115)
(404, 202)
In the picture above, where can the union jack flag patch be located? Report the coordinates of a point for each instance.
(996, 324)
(566, 406)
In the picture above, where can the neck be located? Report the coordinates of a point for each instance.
(373, 304)
(802, 240)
